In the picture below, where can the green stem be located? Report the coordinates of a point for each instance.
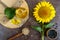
(42, 35)
(42, 32)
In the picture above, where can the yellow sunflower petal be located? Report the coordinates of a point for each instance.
(39, 4)
(42, 3)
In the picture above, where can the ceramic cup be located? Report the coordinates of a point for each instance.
(52, 34)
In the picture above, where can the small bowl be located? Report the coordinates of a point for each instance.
(52, 34)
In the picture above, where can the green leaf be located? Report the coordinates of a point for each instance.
(49, 25)
(9, 12)
(39, 29)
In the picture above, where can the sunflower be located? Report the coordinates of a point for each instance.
(44, 12)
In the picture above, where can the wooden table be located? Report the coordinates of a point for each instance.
(5, 33)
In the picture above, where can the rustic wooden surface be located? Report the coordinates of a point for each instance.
(5, 33)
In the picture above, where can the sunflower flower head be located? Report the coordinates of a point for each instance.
(44, 12)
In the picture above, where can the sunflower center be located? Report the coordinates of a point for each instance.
(44, 12)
